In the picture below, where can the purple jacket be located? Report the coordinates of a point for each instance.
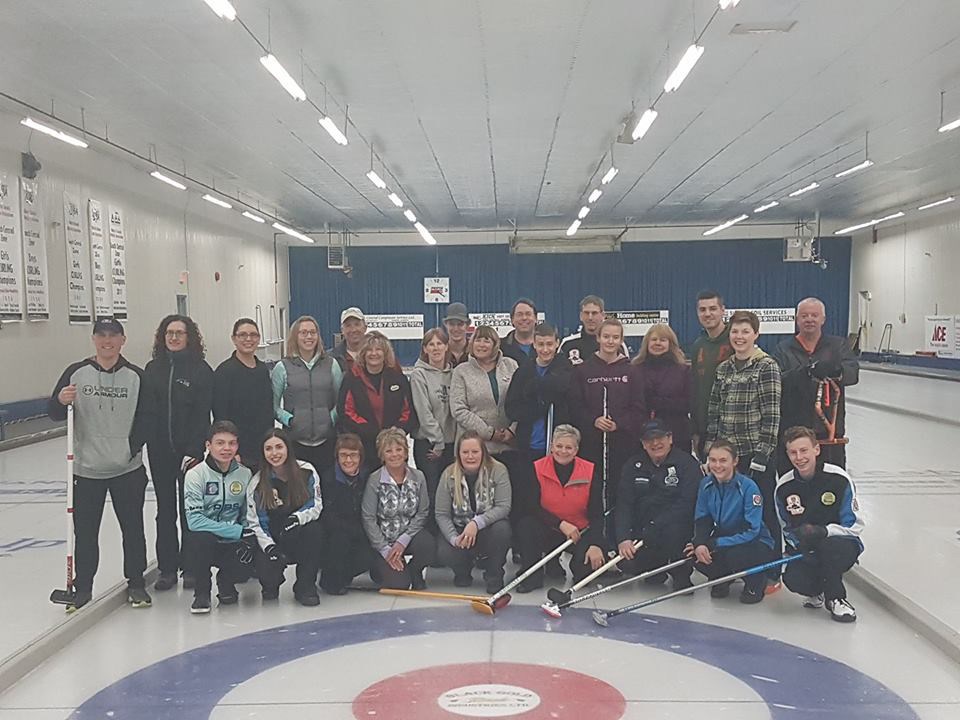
(666, 392)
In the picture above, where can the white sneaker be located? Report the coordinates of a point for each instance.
(842, 611)
(814, 602)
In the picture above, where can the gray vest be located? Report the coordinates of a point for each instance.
(310, 396)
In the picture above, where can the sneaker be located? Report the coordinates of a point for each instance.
(201, 605)
(335, 590)
(138, 597)
(228, 598)
(534, 582)
(814, 602)
(307, 599)
(720, 591)
(166, 581)
(750, 596)
(772, 587)
(841, 610)
(417, 582)
(189, 582)
(463, 581)
(80, 598)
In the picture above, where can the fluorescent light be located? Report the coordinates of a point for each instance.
(805, 189)
(217, 201)
(53, 132)
(892, 217)
(584, 211)
(168, 180)
(938, 202)
(724, 226)
(274, 67)
(765, 207)
(376, 180)
(408, 214)
(327, 123)
(574, 226)
(292, 233)
(395, 199)
(611, 174)
(683, 68)
(869, 223)
(856, 168)
(425, 234)
(223, 9)
(950, 126)
(644, 123)
(255, 218)
(595, 195)
(728, 4)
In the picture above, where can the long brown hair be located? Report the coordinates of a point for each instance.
(295, 476)
(293, 349)
(430, 335)
(375, 337)
(661, 330)
(488, 333)
(486, 465)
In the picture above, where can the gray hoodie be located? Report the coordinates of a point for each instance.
(431, 398)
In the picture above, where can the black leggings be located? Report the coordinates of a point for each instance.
(732, 559)
(822, 570)
(302, 546)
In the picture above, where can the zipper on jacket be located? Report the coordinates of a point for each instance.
(313, 414)
(170, 407)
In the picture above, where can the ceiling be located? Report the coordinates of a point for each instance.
(488, 113)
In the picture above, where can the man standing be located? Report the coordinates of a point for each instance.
(815, 369)
(581, 346)
(518, 344)
(353, 326)
(818, 509)
(710, 349)
(456, 323)
(105, 393)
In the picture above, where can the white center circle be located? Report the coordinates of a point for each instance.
(488, 701)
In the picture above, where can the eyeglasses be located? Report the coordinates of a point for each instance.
(175, 333)
(307, 333)
(347, 455)
(247, 336)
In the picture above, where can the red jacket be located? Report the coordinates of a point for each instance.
(570, 502)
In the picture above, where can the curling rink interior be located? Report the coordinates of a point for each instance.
(364, 655)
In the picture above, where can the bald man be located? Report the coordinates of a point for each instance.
(811, 362)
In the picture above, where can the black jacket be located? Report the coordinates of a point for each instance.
(530, 396)
(512, 349)
(341, 504)
(356, 412)
(178, 399)
(244, 396)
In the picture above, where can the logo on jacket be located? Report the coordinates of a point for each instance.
(793, 505)
(828, 498)
(183, 381)
(394, 388)
(574, 356)
(671, 480)
(236, 487)
(757, 501)
(211, 488)
(276, 498)
(107, 391)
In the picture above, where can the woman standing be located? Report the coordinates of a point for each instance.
(178, 397)
(472, 506)
(375, 394)
(395, 510)
(307, 382)
(242, 392)
(283, 510)
(666, 382)
(347, 549)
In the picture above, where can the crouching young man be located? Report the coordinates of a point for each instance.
(215, 495)
(820, 515)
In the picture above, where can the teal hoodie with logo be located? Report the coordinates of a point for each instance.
(216, 500)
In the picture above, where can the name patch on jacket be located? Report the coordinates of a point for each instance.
(211, 488)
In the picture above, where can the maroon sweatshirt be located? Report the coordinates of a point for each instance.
(666, 393)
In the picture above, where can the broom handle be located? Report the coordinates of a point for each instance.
(428, 594)
(627, 581)
(602, 569)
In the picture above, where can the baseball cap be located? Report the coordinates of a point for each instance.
(654, 428)
(457, 311)
(352, 312)
(108, 325)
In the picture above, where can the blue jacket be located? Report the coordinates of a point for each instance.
(215, 500)
(729, 513)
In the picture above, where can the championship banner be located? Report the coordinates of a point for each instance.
(498, 321)
(78, 262)
(11, 257)
(397, 327)
(34, 251)
(638, 322)
(118, 264)
(99, 269)
(773, 321)
(940, 335)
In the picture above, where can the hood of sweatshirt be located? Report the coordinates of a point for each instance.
(427, 367)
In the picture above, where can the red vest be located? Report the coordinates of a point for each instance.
(568, 502)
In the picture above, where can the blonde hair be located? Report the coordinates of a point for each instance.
(293, 349)
(372, 338)
(488, 333)
(657, 331)
(457, 475)
(391, 436)
(566, 431)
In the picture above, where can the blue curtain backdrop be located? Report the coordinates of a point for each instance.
(644, 276)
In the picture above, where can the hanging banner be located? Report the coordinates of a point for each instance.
(498, 321)
(436, 289)
(11, 257)
(773, 321)
(78, 262)
(637, 323)
(118, 264)
(397, 327)
(99, 269)
(34, 251)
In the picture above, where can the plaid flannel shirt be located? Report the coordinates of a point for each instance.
(745, 405)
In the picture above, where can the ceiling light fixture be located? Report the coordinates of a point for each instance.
(376, 180)
(336, 133)
(595, 195)
(292, 233)
(950, 126)
(395, 199)
(805, 189)
(644, 123)
(425, 234)
(856, 168)
(938, 202)
(870, 223)
(217, 201)
(53, 132)
(168, 180)
(584, 211)
(574, 226)
(250, 215)
(408, 214)
(223, 9)
(274, 67)
(765, 207)
(892, 217)
(609, 176)
(724, 226)
(728, 4)
(683, 68)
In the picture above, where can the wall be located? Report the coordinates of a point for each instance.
(910, 271)
(163, 239)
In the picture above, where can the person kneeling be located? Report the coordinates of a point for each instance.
(569, 508)
(728, 530)
(472, 505)
(283, 510)
(818, 509)
(215, 494)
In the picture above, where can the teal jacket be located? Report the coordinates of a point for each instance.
(215, 500)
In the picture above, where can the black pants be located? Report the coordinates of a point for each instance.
(127, 494)
(320, 456)
(535, 539)
(822, 570)
(432, 470)
(302, 546)
(666, 546)
(735, 558)
(207, 550)
(168, 487)
(767, 482)
(422, 547)
(492, 543)
(346, 555)
(524, 489)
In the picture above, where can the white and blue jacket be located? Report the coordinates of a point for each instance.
(258, 517)
(215, 500)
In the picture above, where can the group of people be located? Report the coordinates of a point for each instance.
(522, 443)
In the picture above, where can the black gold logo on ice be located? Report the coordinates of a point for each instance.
(118, 393)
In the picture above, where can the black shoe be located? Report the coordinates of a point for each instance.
(417, 582)
(138, 597)
(228, 598)
(555, 570)
(751, 597)
(201, 605)
(336, 591)
(658, 579)
(189, 582)
(463, 581)
(307, 599)
(79, 599)
(494, 584)
(270, 593)
(166, 581)
(682, 583)
(534, 582)
(720, 591)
